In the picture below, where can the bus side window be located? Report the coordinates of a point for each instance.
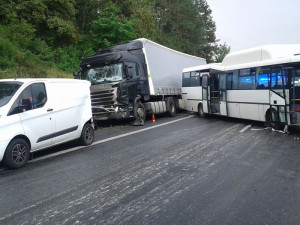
(195, 79)
(186, 79)
(232, 80)
(247, 79)
(263, 78)
(229, 81)
(278, 78)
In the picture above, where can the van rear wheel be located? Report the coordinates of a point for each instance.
(87, 135)
(16, 154)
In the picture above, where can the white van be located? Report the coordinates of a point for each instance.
(39, 113)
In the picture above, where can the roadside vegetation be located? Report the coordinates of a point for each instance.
(48, 38)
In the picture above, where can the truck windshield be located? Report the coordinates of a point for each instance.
(7, 91)
(105, 73)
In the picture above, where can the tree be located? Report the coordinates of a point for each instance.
(111, 28)
(222, 51)
(187, 25)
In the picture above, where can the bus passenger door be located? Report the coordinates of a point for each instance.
(205, 93)
(222, 87)
(214, 94)
(278, 96)
(294, 95)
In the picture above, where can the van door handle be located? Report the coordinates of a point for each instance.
(49, 110)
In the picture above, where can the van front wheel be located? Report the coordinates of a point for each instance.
(16, 154)
(87, 135)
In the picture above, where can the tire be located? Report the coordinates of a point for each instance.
(87, 135)
(171, 107)
(274, 124)
(16, 154)
(200, 111)
(139, 112)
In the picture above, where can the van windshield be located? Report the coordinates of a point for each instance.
(104, 73)
(7, 90)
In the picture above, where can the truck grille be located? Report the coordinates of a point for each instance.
(103, 98)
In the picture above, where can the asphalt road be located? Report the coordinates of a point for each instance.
(182, 170)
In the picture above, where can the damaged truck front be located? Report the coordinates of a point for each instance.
(136, 78)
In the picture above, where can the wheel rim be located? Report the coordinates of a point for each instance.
(19, 153)
(140, 113)
(89, 134)
(172, 108)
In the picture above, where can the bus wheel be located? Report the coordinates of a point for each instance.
(200, 111)
(274, 123)
(16, 154)
(171, 106)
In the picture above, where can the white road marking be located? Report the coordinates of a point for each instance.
(245, 128)
(106, 140)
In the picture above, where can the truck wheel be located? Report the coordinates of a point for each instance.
(139, 111)
(16, 154)
(200, 111)
(171, 107)
(87, 135)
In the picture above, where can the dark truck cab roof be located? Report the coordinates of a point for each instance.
(127, 52)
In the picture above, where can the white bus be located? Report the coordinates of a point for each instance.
(261, 84)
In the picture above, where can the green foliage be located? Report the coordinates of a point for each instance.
(187, 26)
(48, 38)
(110, 28)
(222, 51)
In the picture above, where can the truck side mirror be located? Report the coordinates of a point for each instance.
(128, 72)
(76, 75)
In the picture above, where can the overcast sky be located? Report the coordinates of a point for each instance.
(249, 23)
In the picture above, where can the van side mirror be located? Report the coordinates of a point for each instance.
(25, 104)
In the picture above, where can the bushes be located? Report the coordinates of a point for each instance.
(24, 55)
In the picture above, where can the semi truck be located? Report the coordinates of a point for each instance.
(136, 78)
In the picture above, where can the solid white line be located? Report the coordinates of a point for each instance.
(106, 140)
(139, 131)
(245, 128)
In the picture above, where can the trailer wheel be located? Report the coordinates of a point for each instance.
(200, 111)
(171, 106)
(87, 135)
(139, 112)
(16, 154)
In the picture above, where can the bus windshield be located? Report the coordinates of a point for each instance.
(104, 73)
(7, 91)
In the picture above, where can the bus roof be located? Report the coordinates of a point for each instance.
(261, 53)
(213, 66)
(254, 57)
